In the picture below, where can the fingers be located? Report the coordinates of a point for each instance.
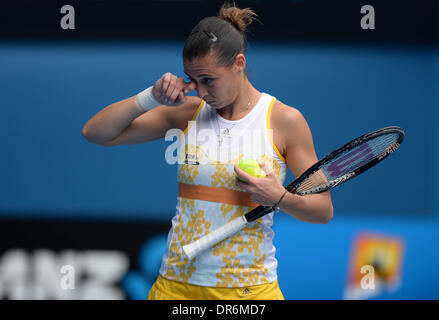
(166, 81)
(181, 98)
(243, 175)
(159, 88)
(242, 185)
(170, 90)
(267, 168)
(190, 86)
(249, 179)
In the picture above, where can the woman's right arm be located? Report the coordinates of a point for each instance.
(126, 122)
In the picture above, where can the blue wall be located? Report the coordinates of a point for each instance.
(436, 111)
(48, 91)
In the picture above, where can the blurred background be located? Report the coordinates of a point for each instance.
(106, 211)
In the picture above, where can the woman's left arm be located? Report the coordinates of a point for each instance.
(299, 154)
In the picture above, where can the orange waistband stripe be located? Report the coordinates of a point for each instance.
(215, 194)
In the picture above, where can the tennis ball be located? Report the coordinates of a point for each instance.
(251, 166)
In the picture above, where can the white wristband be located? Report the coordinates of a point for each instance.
(146, 99)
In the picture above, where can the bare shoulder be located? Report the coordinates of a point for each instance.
(285, 116)
(288, 125)
(182, 114)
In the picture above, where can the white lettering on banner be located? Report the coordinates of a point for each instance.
(68, 274)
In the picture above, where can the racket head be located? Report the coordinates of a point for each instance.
(348, 161)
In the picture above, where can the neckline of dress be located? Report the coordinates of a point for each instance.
(243, 118)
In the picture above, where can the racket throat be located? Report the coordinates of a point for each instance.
(328, 185)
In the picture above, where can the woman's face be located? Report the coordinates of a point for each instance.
(217, 85)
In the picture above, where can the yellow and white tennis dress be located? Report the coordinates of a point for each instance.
(247, 259)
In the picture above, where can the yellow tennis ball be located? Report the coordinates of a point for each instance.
(251, 166)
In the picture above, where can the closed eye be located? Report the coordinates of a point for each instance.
(207, 81)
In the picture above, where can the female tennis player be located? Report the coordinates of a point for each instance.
(210, 194)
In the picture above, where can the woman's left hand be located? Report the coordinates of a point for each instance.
(266, 191)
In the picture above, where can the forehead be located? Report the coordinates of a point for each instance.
(206, 64)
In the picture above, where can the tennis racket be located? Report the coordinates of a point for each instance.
(341, 165)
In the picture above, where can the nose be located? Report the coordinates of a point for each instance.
(202, 92)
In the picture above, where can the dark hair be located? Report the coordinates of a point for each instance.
(224, 35)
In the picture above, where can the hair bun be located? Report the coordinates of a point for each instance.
(239, 18)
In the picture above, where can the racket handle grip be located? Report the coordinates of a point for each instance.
(211, 239)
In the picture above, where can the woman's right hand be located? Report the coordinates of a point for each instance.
(171, 90)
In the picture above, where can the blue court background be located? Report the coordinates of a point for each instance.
(48, 170)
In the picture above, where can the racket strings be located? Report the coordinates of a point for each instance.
(342, 167)
(316, 179)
